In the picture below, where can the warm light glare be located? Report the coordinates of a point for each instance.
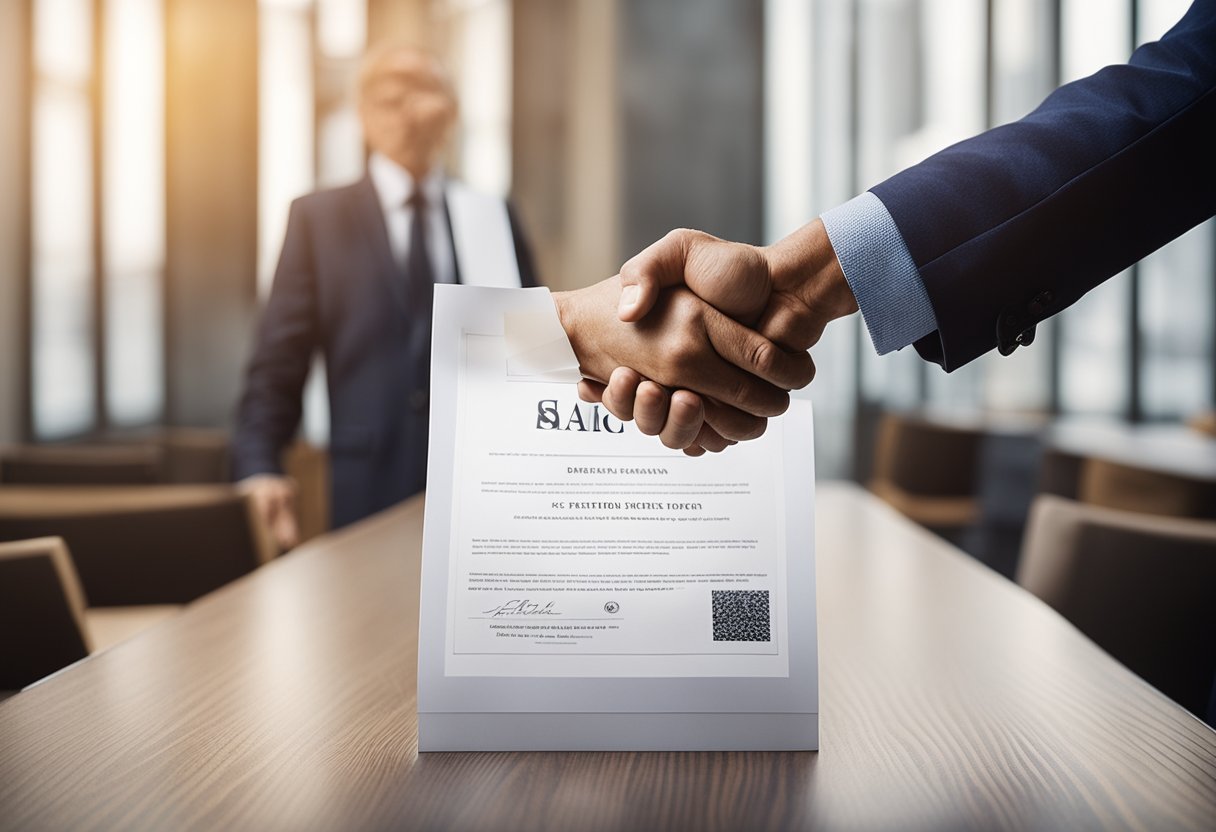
(341, 27)
(63, 39)
(285, 126)
(339, 147)
(484, 88)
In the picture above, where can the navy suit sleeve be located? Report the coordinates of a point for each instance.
(1012, 226)
(287, 335)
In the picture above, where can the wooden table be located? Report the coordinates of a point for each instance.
(950, 699)
(1175, 450)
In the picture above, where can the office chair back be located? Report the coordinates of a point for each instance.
(81, 465)
(1060, 473)
(143, 545)
(42, 626)
(195, 456)
(928, 458)
(928, 470)
(1142, 587)
(1129, 488)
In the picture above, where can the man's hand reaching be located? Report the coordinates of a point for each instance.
(787, 291)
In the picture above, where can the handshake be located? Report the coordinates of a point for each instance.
(700, 340)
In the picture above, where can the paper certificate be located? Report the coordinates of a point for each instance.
(582, 547)
(584, 587)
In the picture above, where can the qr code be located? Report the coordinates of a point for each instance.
(741, 615)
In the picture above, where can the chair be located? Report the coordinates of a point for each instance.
(928, 470)
(1060, 473)
(42, 623)
(308, 465)
(165, 544)
(1129, 488)
(1142, 587)
(81, 465)
(1203, 422)
(195, 456)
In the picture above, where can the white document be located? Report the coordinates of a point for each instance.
(585, 587)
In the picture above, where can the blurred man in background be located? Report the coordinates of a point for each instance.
(355, 281)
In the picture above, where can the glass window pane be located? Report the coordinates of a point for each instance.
(62, 217)
(1095, 349)
(1156, 17)
(1022, 56)
(482, 68)
(1176, 325)
(1094, 353)
(1094, 34)
(951, 64)
(133, 217)
(135, 363)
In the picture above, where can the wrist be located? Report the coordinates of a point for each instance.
(805, 265)
(570, 308)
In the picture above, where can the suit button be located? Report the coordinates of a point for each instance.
(419, 399)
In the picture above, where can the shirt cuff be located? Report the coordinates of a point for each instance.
(881, 272)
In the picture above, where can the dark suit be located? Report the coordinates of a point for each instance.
(1010, 227)
(339, 290)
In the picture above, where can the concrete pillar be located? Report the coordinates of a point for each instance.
(692, 106)
(14, 218)
(565, 137)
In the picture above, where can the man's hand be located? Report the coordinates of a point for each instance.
(683, 342)
(274, 500)
(788, 291)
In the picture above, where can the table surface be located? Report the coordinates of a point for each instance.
(950, 699)
(1168, 449)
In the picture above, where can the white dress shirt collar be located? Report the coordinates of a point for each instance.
(394, 184)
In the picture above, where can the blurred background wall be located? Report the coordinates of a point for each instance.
(150, 148)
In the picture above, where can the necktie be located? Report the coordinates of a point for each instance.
(418, 269)
(420, 293)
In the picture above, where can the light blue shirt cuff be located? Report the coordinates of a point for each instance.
(881, 272)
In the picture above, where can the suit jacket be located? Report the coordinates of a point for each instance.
(1012, 226)
(338, 289)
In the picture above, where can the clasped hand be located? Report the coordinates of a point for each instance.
(700, 340)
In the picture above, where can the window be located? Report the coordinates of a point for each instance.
(888, 82)
(62, 220)
(97, 193)
(133, 210)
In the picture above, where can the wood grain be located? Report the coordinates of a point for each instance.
(950, 700)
